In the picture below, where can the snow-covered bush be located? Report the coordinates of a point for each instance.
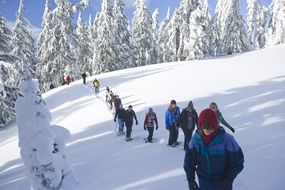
(42, 145)
(8, 93)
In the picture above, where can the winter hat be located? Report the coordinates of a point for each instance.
(173, 102)
(190, 105)
(208, 117)
(150, 110)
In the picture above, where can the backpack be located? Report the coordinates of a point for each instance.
(96, 83)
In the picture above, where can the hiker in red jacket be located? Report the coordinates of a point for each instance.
(149, 121)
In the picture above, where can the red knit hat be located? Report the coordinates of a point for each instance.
(208, 117)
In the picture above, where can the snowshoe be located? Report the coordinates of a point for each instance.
(128, 139)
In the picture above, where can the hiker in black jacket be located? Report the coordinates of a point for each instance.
(129, 120)
(187, 120)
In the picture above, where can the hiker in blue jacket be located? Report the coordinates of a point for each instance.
(121, 115)
(213, 154)
(171, 121)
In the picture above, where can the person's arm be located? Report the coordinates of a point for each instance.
(155, 120)
(235, 160)
(196, 119)
(177, 124)
(181, 117)
(225, 123)
(135, 117)
(145, 121)
(166, 119)
(190, 163)
(116, 115)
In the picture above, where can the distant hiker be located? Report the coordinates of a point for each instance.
(149, 122)
(187, 120)
(121, 115)
(213, 106)
(96, 85)
(130, 115)
(117, 102)
(51, 86)
(213, 155)
(84, 77)
(68, 79)
(171, 121)
(107, 93)
(111, 100)
(63, 81)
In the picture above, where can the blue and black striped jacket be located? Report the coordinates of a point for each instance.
(216, 164)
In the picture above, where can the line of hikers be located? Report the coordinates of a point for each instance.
(174, 119)
(211, 153)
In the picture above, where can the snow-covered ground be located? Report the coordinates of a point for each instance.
(250, 92)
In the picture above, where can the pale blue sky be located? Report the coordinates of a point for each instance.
(34, 8)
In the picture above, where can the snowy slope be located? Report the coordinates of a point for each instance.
(249, 89)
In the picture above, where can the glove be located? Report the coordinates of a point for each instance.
(156, 127)
(232, 129)
(226, 184)
(144, 128)
(193, 185)
(114, 120)
(137, 122)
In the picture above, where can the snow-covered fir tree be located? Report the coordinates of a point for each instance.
(91, 42)
(9, 76)
(184, 12)
(59, 50)
(142, 33)
(42, 145)
(106, 55)
(82, 47)
(44, 37)
(171, 39)
(57, 59)
(262, 27)
(93, 32)
(8, 71)
(5, 37)
(252, 14)
(155, 28)
(95, 25)
(256, 23)
(8, 93)
(163, 36)
(199, 43)
(23, 44)
(230, 33)
(123, 46)
(277, 23)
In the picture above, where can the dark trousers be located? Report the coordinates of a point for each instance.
(187, 137)
(150, 133)
(84, 80)
(173, 135)
(129, 130)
